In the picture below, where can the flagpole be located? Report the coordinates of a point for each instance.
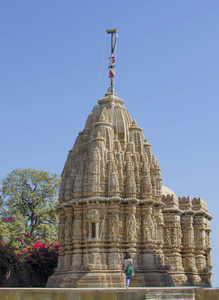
(111, 62)
(111, 66)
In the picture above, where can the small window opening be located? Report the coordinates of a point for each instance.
(93, 230)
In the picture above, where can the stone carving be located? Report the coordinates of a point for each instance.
(112, 201)
(167, 235)
(115, 232)
(113, 182)
(93, 214)
(77, 230)
(131, 230)
(149, 230)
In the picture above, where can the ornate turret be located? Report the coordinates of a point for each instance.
(110, 137)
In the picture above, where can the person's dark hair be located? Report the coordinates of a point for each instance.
(127, 256)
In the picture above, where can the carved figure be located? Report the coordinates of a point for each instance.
(115, 227)
(167, 236)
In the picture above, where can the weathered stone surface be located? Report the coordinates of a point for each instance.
(170, 295)
(109, 294)
(112, 202)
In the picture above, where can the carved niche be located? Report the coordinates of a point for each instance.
(92, 224)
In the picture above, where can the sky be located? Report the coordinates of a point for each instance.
(54, 68)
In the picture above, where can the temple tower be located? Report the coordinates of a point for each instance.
(111, 201)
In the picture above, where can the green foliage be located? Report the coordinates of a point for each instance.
(30, 196)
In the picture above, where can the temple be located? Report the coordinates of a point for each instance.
(111, 201)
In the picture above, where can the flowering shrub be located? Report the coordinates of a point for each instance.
(9, 219)
(10, 257)
(16, 253)
(42, 257)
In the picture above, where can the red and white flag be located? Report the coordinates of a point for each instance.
(112, 74)
(113, 60)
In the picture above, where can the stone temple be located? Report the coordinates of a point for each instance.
(111, 201)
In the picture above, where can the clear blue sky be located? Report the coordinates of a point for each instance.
(167, 72)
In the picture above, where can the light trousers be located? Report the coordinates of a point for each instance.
(128, 277)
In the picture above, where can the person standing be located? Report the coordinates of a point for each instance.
(126, 262)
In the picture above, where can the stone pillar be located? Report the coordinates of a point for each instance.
(208, 252)
(91, 233)
(114, 234)
(103, 226)
(61, 257)
(68, 236)
(201, 237)
(77, 237)
(189, 262)
(199, 240)
(131, 229)
(148, 262)
(173, 239)
(151, 251)
(159, 224)
(208, 246)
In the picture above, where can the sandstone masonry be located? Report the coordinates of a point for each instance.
(112, 202)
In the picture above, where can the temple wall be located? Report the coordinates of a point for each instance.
(109, 294)
(168, 241)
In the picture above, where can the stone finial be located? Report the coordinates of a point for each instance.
(134, 126)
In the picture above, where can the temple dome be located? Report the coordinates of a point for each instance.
(110, 157)
(166, 191)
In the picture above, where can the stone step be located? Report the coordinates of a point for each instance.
(170, 296)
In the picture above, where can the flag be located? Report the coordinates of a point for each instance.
(113, 59)
(112, 74)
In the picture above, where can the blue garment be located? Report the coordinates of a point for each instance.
(128, 277)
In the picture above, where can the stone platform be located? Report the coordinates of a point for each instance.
(183, 293)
